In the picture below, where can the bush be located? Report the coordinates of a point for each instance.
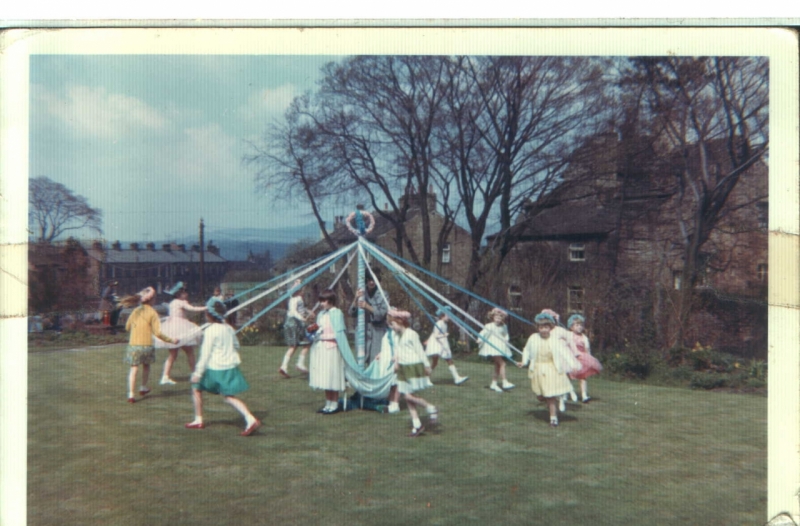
(711, 380)
(632, 362)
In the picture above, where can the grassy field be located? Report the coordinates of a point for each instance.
(636, 455)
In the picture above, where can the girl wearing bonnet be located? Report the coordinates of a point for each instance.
(143, 324)
(493, 343)
(412, 367)
(549, 360)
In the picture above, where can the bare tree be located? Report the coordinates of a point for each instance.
(55, 209)
(512, 123)
(290, 164)
(711, 116)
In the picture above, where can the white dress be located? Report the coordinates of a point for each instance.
(177, 327)
(437, 342)
(326, 366)
(496, 341)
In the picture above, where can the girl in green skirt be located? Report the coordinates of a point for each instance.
(217, 370)
(412, 367)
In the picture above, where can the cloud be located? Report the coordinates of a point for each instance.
(94, 112)
(203, 156)
(269, 101)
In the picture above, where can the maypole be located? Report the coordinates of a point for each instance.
(360, 230)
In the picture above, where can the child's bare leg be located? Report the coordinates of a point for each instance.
(552, 405)
(132, 380)
(301, 360)
(584, 390)
(145, 374)
(190, 358)
(506, 384)
(242, 408)
(416, 423)
(434, 362)
(415, 401)
(197, 402)
(284, 370)
(173, 354)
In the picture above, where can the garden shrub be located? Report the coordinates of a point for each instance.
(707, 380)
(633, 362)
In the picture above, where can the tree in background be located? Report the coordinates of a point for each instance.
(55, 209)
(710, 116)
(485, 133)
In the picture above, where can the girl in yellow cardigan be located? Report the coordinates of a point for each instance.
(143, 324)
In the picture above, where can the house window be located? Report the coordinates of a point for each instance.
(763, 214)
(515, 297)
(761, 271)
(575, 297)
(577, 252)
(677, 276)
(446, 253)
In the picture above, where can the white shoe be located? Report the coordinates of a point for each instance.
(508, 385)
(461, 380)
(496, 388)
(561, 405)
(167, 381)
(573, 396)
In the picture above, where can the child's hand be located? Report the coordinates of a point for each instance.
(428, 371)
(520, 365)
(194, 379)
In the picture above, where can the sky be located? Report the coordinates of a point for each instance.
(157, 141)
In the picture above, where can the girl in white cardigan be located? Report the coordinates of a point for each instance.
(550, 361)
(412, 367)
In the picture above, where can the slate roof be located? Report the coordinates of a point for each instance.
(568, 221)
(113, 256)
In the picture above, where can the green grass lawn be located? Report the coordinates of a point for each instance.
(636, 455)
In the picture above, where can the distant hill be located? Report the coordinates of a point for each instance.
(235, 243)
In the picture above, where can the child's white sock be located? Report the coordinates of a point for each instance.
(301, 362)
(431, 409)
(394, 407)
(416, 422)
(454, 372)
(286, 358)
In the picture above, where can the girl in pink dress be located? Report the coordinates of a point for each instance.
(178, 327)
(579, 344)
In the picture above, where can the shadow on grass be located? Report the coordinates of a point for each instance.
(544, 416)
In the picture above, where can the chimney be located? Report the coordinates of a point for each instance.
(116, 245)
(98, 245)
(167, 247)
(151, 247)
(135, 246)
(195, 248)
(212, 248)
(386, 206)
(182, 247)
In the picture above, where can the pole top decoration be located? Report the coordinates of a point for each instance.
(360, 228)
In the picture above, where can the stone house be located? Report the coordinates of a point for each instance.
(607, 244)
